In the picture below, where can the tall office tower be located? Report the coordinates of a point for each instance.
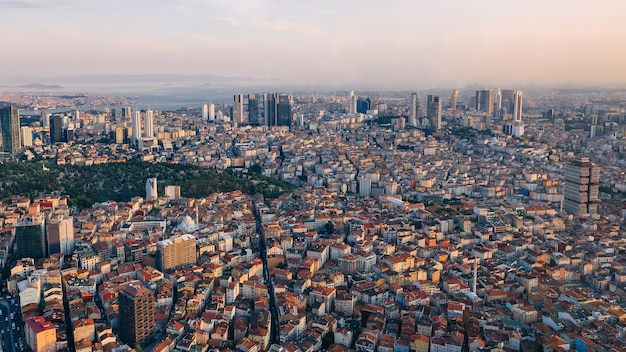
(76, 115)
(434, 112)
(269, 109)
(136, 125)
(253, 109)
(10, 123)
(212, 112)
(126, 113)
(352, 102)
(498, 101)
(484, 101)
(176, 251)
(26, 134)
(148, 124)
(508, 100)
(517, 106)
(136, 323)
(56, 129)
(238, 110)
(284, 108)
(581, 187)
(60, 235)
(413, 110)
(363, 105)
(454, 97)
(41, 335)
(205, 112)
(30, 237)
(151, 188)
(45, 118)
(113, 114)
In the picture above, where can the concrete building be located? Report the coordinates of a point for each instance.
(581, 187)
(41, 335)
(151, 188)
(10, 127)
(176, 251)
(137, 322)
(60, 234)
(30, 237)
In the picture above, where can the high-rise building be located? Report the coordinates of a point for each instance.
(176, 251)
(352, 103)
(517, 106)
(60, 235)
(269, 109)
(136, 131)
(126, 113)
(413, 110)
(10, 126)
(253, 109)
(27, 136)
(581, 187)
(149, 124)
(212, 112)
(30, 237)
(56, 129)
(136, 323)
(363, 105)
(172, 192)
(498, 101)
(507, 100)
(41, 335)
(284, 110)
(484, 101)
(151, 188)
(205, 112)
(238, 110)
(45, 118)
(434, 112)
(453, 99)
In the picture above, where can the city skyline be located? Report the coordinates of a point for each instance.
(402, 45)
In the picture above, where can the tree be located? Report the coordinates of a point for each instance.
(329, 227)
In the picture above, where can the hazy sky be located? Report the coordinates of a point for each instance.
(390, 43)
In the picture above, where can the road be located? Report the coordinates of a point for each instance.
(268, 280)
(12, 338)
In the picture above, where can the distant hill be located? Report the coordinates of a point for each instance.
(40, 86)
(121, 181)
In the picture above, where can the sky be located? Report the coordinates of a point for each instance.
(392, 44)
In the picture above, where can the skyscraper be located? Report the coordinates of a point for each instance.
(507, 100)
(60, 235)
(126, 113)
(176, 251)
(284, 109)
(363, 105)
(269, 109)
(136, 324)
(352, 103)
(413, 106)
(45, 118)
(253, 109)
(484, 101)
(136, 131)
(434, 112)
(517, 106)
(453, 99)
(30, 237)
(212, 112)
(56, 129)
(151, 188)
(238, 110)
(205, 112)
(26, 134)
(149, 124)
(498, 101)
(581, 187)
(10, 126)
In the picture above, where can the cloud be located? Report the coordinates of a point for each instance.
(31, 4)
(288, 26)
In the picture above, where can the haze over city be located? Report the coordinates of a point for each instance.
(391, 45)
